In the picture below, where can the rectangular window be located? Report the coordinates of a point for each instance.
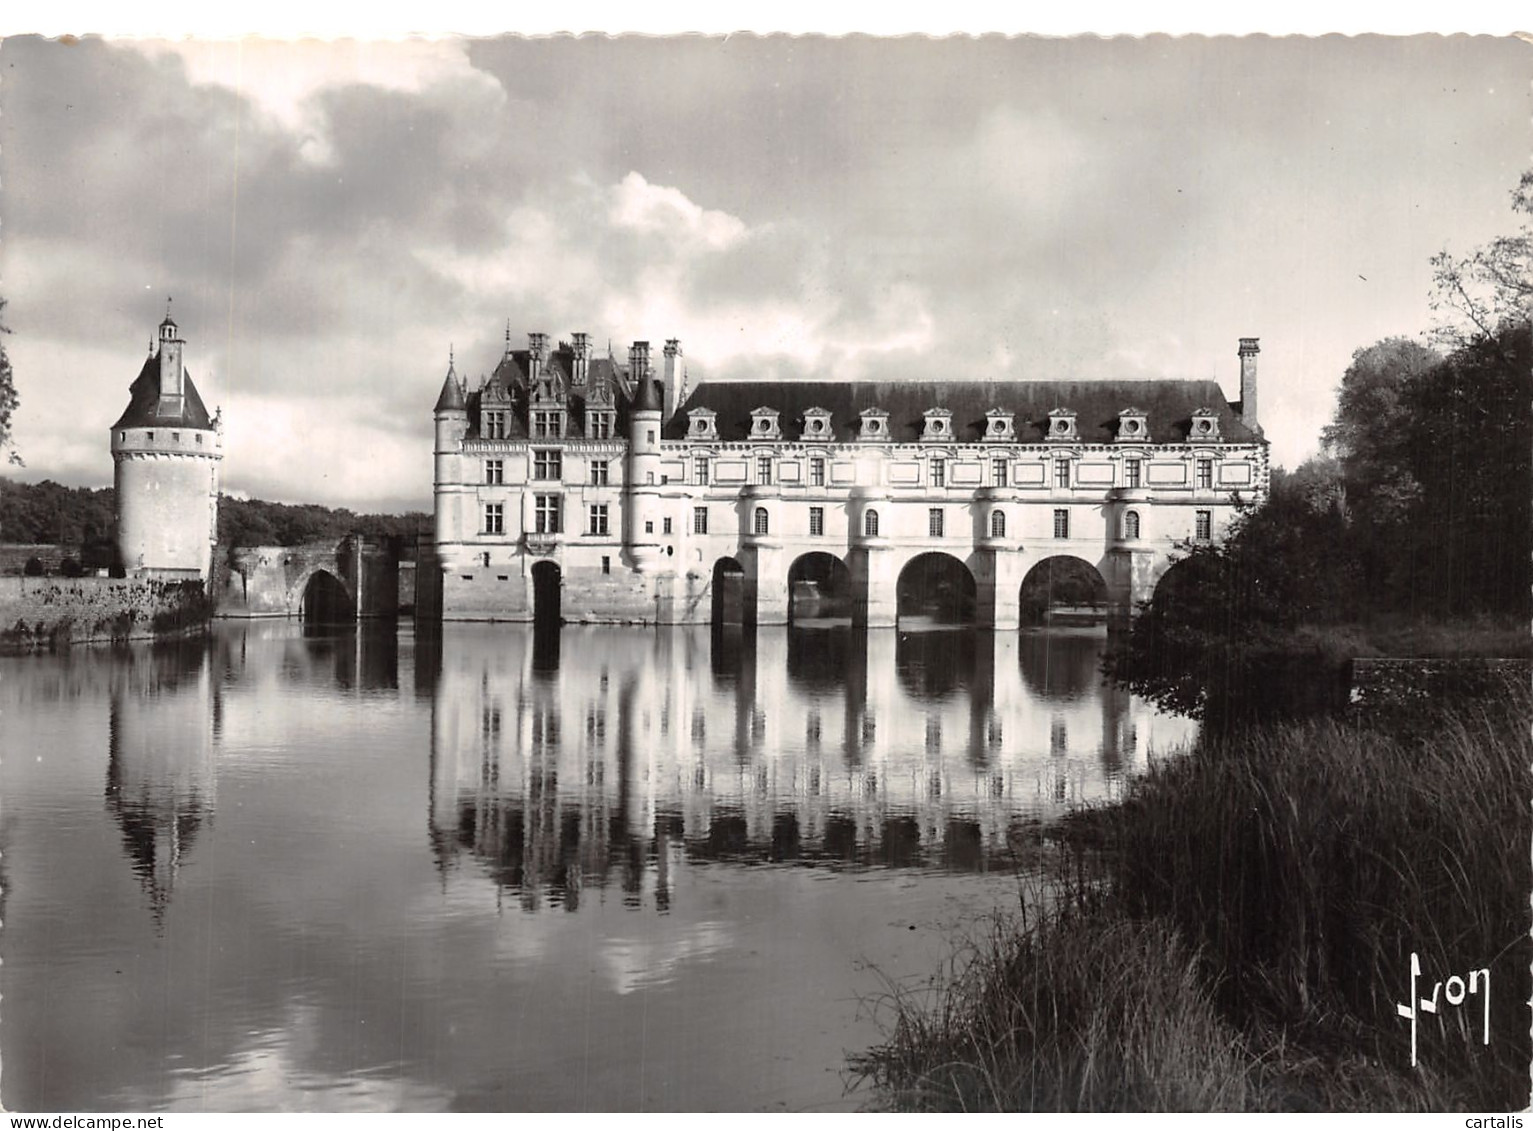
(1131, 473)
(763, 469)
(494, 518)
(598, 473)
(816, 472)
(598, 518)
(175, 437)
(939, 473)
(547, 425)
(199, 437)
(934, 522)
(699, 520)
(1061, 473)
(701, 467)
(547, 465)
(651, 434)
(665, 526)
(1205, 526)
(546, 514)
(1205, 474)
(601, 426)
(816, 522)
(494, 471)
(998, 471)
(1061, 523)
(606, 564)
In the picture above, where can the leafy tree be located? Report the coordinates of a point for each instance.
(1478, 294)
(8, 398)
(1368, 436)
(1217, 639)
(1469, 424)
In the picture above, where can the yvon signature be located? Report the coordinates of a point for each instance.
(1454, 991)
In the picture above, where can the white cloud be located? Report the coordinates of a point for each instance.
(281, 77)
(667, 212)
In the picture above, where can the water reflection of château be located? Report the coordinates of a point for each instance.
(594, 756)
(161, 784)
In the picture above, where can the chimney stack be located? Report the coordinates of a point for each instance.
(1248, 351)
(536, 344)
(582, 349)
(638, 362)
(673, 390)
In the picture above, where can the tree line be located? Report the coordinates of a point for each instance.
(1410, 533)
(82, 521)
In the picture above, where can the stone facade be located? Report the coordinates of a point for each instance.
(274, 581)
(596, 492)
(166, 450)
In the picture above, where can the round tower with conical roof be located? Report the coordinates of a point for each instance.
(451, 416)
(643, 480)
(166, 451)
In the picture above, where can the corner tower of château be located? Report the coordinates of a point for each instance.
(165, 454)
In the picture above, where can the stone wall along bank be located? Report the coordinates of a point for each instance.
(55, 612)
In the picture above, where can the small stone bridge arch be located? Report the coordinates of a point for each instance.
(271, 581)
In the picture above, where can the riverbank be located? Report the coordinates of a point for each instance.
(1238, 933)
(52, 613)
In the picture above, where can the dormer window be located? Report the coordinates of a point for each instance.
(601, 425)
(875, 424)
(1000, 425)
(939, 424)
(547, 424)
(1062, 424)
(764, 424)
(494, 426)
(702, 424)
(1133, 426)
(817, 424)
(1205, 425)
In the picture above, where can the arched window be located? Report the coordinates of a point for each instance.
(761, 520)
(870, 524)
(997, 524)
(1131, 524)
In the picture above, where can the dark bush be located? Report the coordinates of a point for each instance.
(71, 567)
(33, 568)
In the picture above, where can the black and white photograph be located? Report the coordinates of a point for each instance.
(765, 573)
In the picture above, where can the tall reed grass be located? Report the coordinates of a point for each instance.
(1247, 933)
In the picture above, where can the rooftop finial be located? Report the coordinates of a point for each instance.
(450, 358)
(508, 337)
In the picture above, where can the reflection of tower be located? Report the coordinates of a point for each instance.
(1118, 734)
(160, 782)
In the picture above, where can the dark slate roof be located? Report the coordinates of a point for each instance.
(452, 395)
(1096, 404)
(144, 402)
(649, 397)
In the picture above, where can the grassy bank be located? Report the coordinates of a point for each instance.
(1244, 933)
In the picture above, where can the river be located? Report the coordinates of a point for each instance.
(600, 868)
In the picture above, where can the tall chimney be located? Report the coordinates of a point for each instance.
(672, 375)
(536, 344)
(638, 362)
(581, 346)
(1248, 351)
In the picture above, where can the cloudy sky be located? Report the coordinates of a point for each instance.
(331, 218)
